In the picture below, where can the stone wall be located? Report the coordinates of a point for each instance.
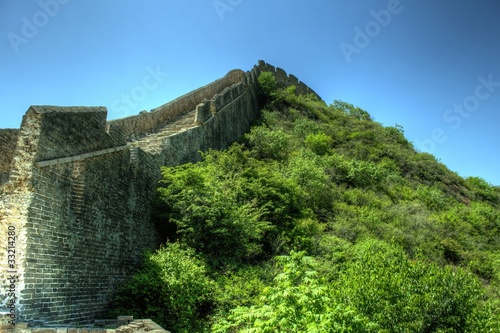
(285, 80)
(79, 193)
(67, 131)
(8, 140)
(151, 122)
(81, 225)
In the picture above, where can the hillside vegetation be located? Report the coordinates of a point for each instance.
(320, 220)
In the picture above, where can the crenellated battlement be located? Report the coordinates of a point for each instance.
(285, 80)
(76, 191)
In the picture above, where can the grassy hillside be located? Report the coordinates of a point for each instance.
(321, 220)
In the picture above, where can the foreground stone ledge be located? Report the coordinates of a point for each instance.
(133, 326)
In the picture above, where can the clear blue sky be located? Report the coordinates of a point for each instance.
(432, 66)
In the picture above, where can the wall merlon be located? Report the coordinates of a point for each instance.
(294, 79)
(69, 131)
(281, 72)
(203, 113)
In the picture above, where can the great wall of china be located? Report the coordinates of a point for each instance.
(76, 192)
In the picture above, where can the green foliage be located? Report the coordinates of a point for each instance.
(267, 84)
(363, 173)
(306, 169)
(403, 295)
(399, 241)
(319, 143)
(241, 287)
(298, 301)
(211, 211)
(231, 206)
(433, 198)
(173, 289)
(482, 190)
(272, 144)
(303, 127)
(352, 110)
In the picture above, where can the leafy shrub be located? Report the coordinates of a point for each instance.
(352, 110)
(432, 197)
(299, 301)
(210, 213)
(303, 126)
(241, 287)
(319, 143)
(364, 173)
(482, 190)
(452, 251)
(484, 264)
(403, 295)
(306, 235)
(305, 169)
(173, 289)
(269, 143)
(267, 85)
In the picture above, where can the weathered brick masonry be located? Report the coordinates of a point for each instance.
(77, 191)
(8, 140)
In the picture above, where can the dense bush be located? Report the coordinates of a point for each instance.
(269, 144)
(403, 295)
(173, 289)
(212, 211)
(298, 301)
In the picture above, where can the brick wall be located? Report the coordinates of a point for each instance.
(79, 193)
(8, 140)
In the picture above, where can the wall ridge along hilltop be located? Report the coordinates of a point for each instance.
(76, 192)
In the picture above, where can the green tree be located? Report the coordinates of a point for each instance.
(210, 213)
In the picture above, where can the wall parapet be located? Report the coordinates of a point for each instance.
(208, 109)
(150, 122)
(67, 131)
(285, 80)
